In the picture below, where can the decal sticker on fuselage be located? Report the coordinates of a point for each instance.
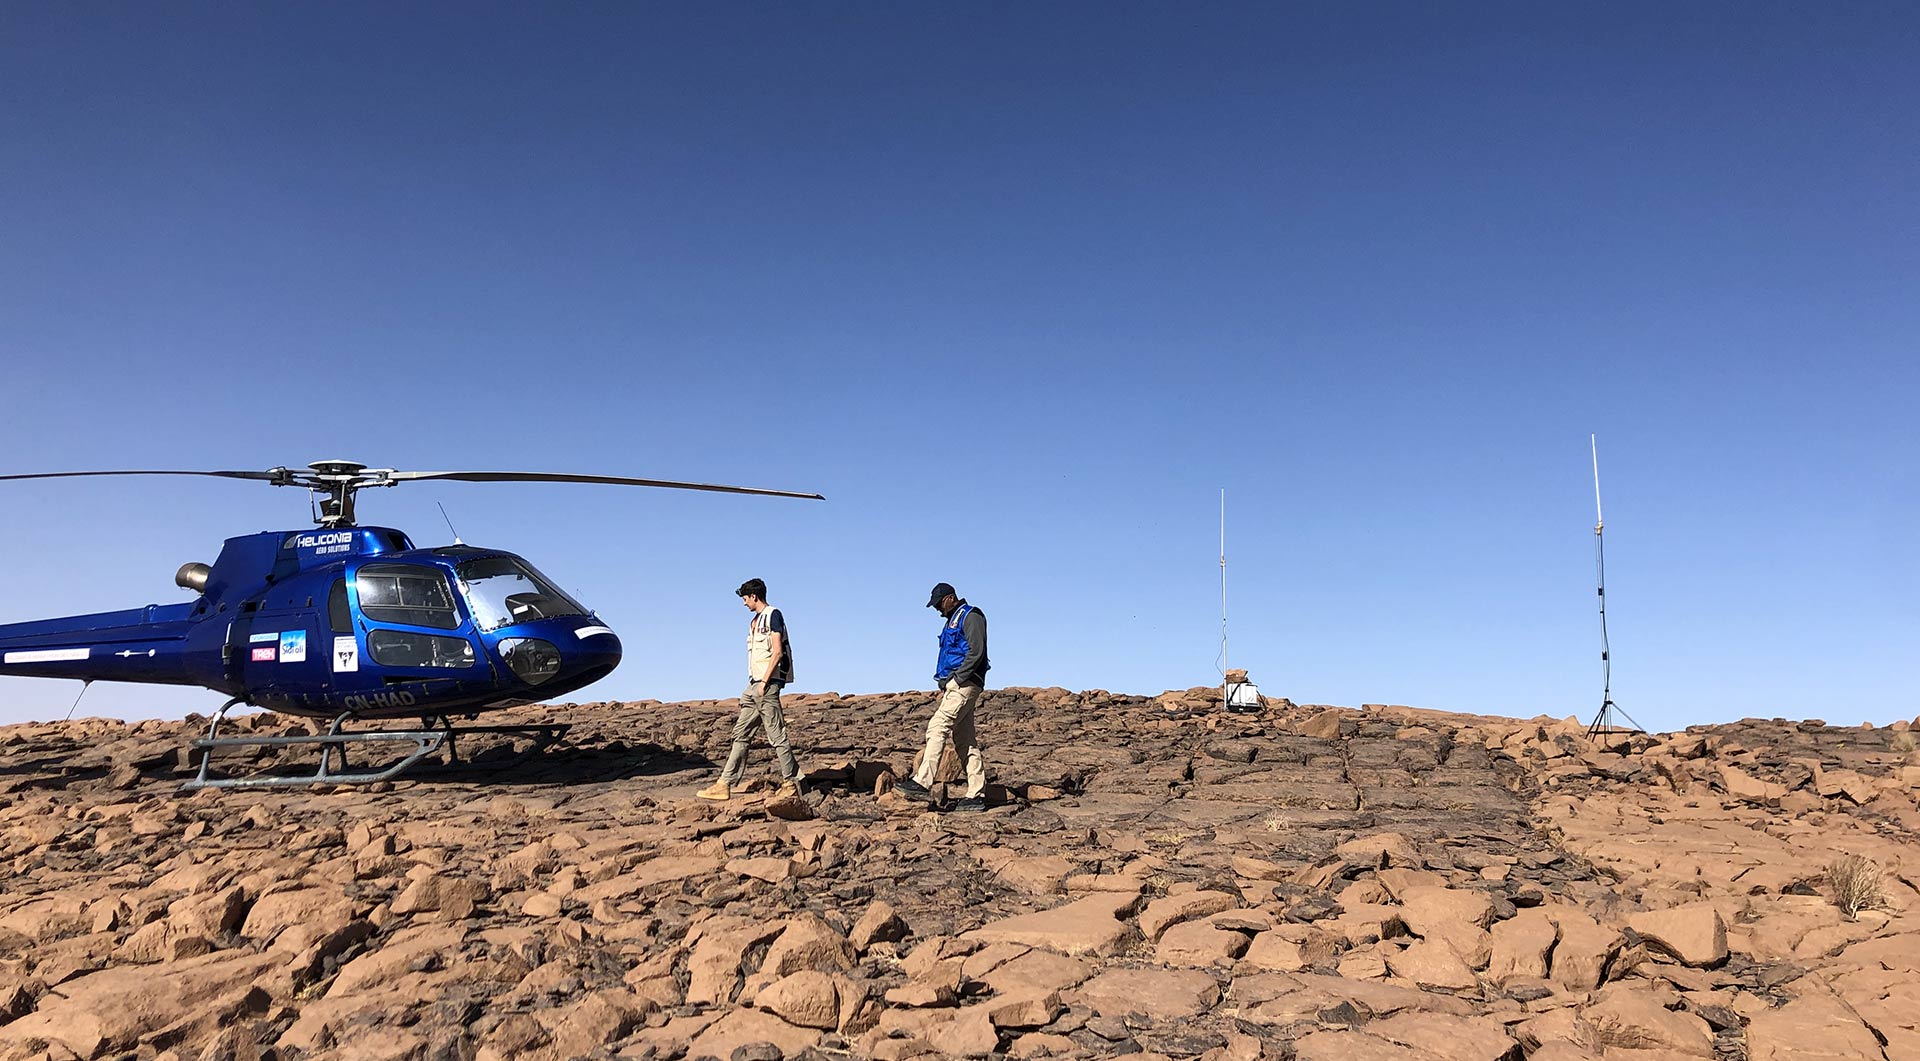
(329, 544)
(266, 654)
(293, 646)
(262, 638)
(346, 655)
(588, 631)
(393, 699)
(47, 655)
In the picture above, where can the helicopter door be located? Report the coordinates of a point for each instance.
(233, 655)
(411, 641)
(343, 644)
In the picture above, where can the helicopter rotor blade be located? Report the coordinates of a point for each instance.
(261, 476)
(608, 480)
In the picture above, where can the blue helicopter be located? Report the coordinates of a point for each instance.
(345, 623)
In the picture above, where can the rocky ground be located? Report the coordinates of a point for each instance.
(1156, 878)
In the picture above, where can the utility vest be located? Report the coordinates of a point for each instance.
(953, 645)
(760, 646)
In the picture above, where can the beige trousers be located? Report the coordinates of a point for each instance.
(760, 705)
(953, 718)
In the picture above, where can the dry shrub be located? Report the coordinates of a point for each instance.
(1856, 884)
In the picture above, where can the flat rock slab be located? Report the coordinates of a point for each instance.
(1521, 945)
(743, 1027)
(1454, 1038)
(111, 1009)
(1432, 963)
(400, 952)
(1037, 971)
(1036, 874)
(1083, 926)
(1694, 934)
(648, 874)
(1356, 1046)
(1282, 998)
(1289, 948)
(1811, 1028)
(1199, 943)
(1629, 1016)
(1303, 794)
(1160, 914)
(1160, 994)
(1429, 908)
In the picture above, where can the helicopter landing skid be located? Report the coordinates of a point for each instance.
(427, 742)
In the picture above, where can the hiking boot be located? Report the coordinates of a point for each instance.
(787, 790)
(970, 805)
(912, 789)
(716, 791)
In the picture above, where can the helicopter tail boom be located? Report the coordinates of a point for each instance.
(136, 645)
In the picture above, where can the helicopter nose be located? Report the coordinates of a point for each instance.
(557, 656)
(596, 649)
(587, 653)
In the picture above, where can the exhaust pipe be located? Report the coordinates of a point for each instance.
(192, 577)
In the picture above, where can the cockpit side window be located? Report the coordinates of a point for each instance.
(403, 648)
(406, 594)
(339, 616)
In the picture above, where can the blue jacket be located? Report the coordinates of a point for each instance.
(963, 648)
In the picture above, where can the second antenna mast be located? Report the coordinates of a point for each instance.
(1603, 719)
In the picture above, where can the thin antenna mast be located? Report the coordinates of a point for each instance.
(1603, 720)
(450, 530)
(1223, 598)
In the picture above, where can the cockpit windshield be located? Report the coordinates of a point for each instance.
(503, 590)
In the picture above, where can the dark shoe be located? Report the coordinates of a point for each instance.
(912, 789)
(970, 804)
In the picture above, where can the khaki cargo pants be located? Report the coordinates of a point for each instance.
(760, 705)
(953, 718)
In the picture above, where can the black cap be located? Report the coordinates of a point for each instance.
(940, 593)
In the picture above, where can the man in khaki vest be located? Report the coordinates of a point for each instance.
(769, 669)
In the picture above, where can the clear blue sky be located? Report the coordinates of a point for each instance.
(1020, 288)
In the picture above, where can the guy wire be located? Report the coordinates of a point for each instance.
(85, 684)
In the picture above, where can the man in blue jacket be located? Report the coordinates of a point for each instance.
(960, 672)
